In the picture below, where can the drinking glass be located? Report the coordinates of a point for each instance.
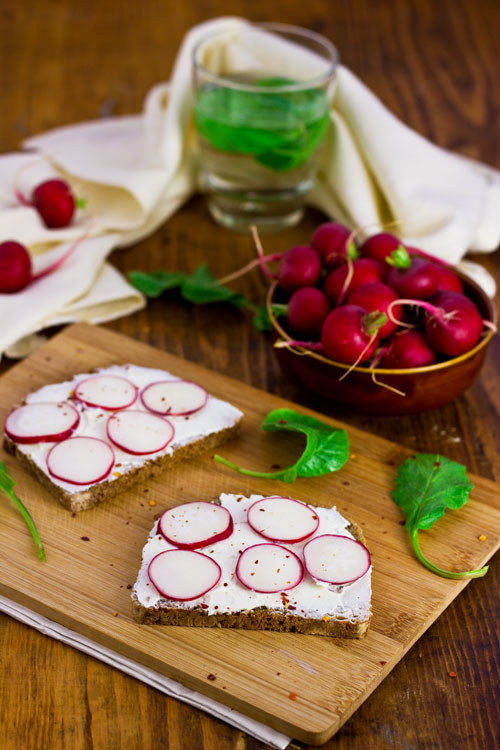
(261, 120)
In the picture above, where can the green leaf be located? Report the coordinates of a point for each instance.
(81, 203)
(7, 484)
(155, 283)
(399, 258)
(202, 288)
(261, 319)
(426, 485)
(327, 448)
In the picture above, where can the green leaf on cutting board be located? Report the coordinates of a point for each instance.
(7, 485)
(426, 485)
(327, 448)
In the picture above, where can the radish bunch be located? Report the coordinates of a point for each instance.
(379, 301)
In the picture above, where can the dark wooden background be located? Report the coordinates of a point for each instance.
(436, 65)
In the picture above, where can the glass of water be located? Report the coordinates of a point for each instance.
(261, 108)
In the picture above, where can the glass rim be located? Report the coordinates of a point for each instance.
(286, 88)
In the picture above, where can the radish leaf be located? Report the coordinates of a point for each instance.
(327, 448)
(155, 283)
(7, 484)
(427, 484)
(262, 321)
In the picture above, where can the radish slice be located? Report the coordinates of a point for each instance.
(41, 422)
(336, 559)
(174, 397)
(183, 575)
(80, 460)
(195, 525)
(138, 432)
(268, 568)
(282, 519)
(107, 391)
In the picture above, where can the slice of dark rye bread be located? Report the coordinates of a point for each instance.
(151, 466)
(260, 618)
(87, 498)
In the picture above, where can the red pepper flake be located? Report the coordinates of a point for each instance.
(437, 463)
(292, 696)
(73, 515)
(129, 586)
(452, 674)
(204, 606)
(278, 673)
(225, 584)
(383, 663)
(282, 421)
(152, 503)
(85, 539)
(401, 523)
(211, 677)
(115, 614)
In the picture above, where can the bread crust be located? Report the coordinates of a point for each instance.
(256, 619)
(79, 501)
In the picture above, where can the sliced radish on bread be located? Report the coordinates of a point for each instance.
(80, 460)
(139, 432)
(174, 397)
(282, 519)
(41, 422)
(195, 525)
(336, 559)
(183, 575)
(109, 392)
(269, 568)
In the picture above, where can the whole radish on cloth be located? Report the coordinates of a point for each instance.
(327, 448)
(426, 485)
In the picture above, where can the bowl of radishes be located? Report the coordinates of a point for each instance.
(379, 326)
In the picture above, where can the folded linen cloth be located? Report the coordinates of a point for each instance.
(137, 171)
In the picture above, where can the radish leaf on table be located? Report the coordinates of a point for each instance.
(426, 485)
(199, 287)
(262, 321)
(327, 448)
(7, 484)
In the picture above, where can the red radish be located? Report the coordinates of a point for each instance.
(269, 568)
(80, 460)
(409, 348)
(455, 325)
(364, 271)
(106, 391)
(183, 575)
(15, 267)
(448, 280)
(307, 309)
(380, 246)
(282, 519)
(54, 202)
(300, 266)
(375, 296)
(41, 422)
(174, 397)
(138, 432)
(330, 241)
(195, 525)
(418, 281)
(350, 334)
(337, 560)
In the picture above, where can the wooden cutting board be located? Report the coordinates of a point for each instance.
(93, 557)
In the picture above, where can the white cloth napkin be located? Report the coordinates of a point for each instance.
(137, 171)
(48, 627)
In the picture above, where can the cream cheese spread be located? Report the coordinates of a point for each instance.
(215, 416)
(310, 599)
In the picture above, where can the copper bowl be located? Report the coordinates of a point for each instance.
(424, 387)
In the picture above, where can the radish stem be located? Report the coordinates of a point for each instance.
(262, 256)
(439, 571)
(248, 267)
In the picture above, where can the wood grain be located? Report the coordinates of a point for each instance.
(436, 66)
(92, 558)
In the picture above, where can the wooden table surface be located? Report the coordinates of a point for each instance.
(436, 66)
